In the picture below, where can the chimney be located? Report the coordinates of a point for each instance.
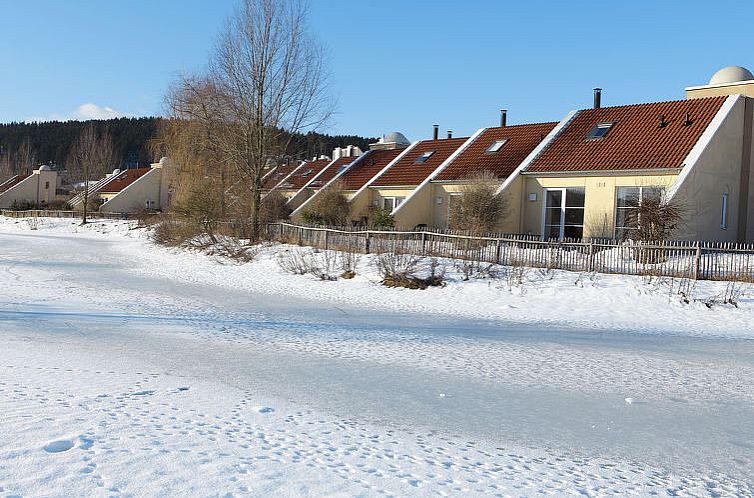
(503, 117)
(435, 132)
(450, 133)
(597, 98)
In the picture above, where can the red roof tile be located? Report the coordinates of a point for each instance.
(123, 180)
(278, 175)
(635, 141)
(306, 172)
(368, 165)
(330, 171)
(521, 140)
(408, 172)
(12, 182)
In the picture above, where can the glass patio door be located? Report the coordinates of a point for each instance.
(563, 215)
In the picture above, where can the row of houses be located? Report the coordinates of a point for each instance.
(124, 191)
(577, 177)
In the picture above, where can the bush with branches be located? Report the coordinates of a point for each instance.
(330, 207)
(478, 209)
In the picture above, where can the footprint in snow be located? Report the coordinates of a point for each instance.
(59, 446)
(266, 409)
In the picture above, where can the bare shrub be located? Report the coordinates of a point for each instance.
(329, 207)
(398, 269)
(294, 260)
(33, 223)
(174, 232)
(478, 209)
(349, 260)
(299, 261)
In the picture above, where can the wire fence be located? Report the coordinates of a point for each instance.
(725, 261)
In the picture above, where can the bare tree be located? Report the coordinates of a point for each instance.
(265, 82)
(655, 220)
(478, 209)
(91, 156)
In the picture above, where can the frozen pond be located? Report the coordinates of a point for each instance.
(105, 370)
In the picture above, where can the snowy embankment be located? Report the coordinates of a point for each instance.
(130, 369)
(558, 298)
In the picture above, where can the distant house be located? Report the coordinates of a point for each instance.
(129, 190)
(35, 189)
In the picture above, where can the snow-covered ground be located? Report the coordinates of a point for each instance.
(135, 370)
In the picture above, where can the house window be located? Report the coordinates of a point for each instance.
(599, 131)
(390, 203)
(628, 201)
(564, 213)
(724, 213)
(496, 146)
(47, 185)
(423, 158)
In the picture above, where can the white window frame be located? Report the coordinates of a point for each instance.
(641, 200)
(563, 194)
(397, 200)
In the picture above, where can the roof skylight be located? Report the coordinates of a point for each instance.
(424, 157)
(599, 131)
(496, 146)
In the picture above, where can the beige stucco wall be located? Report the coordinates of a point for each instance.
(39, 187)
(717, 171)
(599, 199)
(720, 90)
(136, 195)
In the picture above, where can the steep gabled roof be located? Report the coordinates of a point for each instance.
(281, 171)
(305, 173)
(366, 167)
(12, 182)
(410, 170)
(638, 137)
(123, 180)
(329, 172)
(520, 140)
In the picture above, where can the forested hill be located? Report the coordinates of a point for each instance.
(23, 143)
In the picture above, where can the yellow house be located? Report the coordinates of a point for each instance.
(495, 151)
(600, 164)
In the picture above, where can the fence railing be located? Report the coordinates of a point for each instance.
(683, 259)
(43, 213)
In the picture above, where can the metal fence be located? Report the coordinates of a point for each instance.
(684, 259)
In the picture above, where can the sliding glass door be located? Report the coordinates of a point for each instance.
(563, 213)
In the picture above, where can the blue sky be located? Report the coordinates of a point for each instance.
(396, 65)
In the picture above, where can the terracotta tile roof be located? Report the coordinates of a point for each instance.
(306, 172)
(278, 175)
(369, 165)
(408, 172)
(520, 141)
(635, 141)
(330, 172)
(123, 180)
(12, 182)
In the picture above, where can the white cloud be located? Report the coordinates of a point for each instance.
(83, 112)
(93, 111)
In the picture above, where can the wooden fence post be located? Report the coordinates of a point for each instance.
(497, 251)
(369, 240)
(697, 261)
(327, 238)
(424, 243)
(590, 264)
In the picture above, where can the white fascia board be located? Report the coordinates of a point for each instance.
(440, 168)
(537, 151)
(383, 170)
(332, 180)
(306, 185)
(701, 145)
